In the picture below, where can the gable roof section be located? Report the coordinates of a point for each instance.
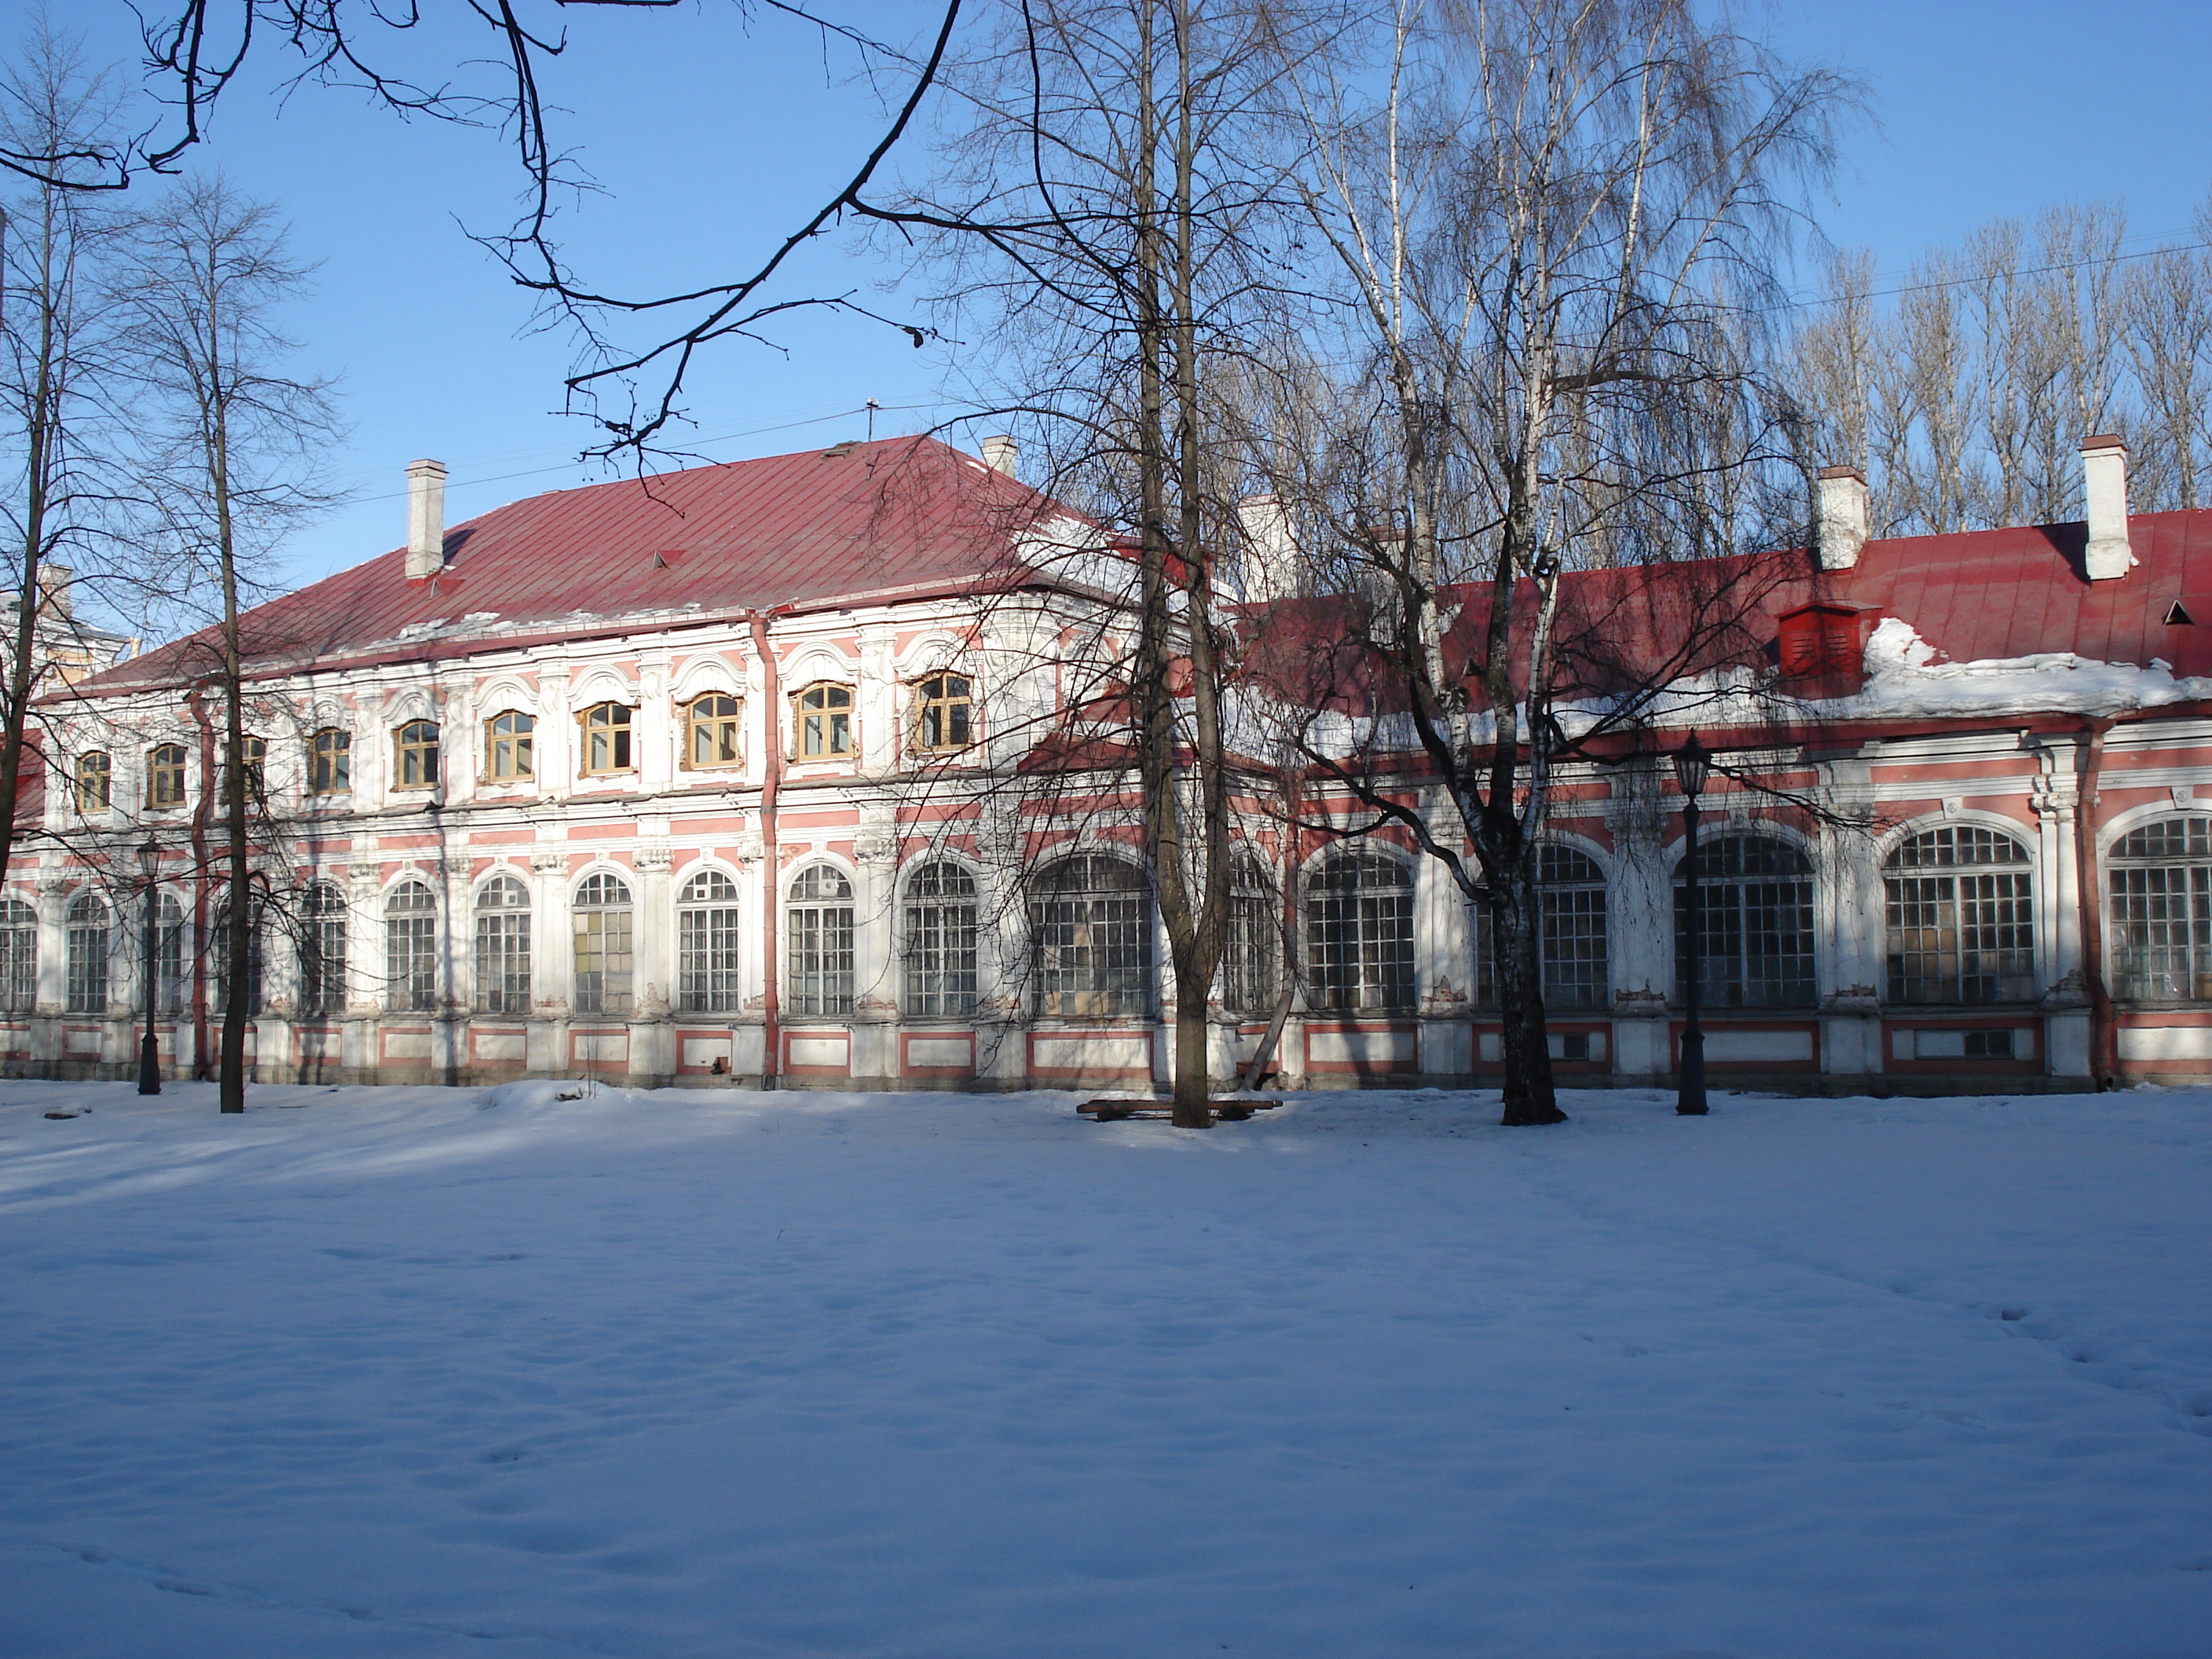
(858, 519)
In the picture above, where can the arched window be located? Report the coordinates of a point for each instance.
(1359, 934)
(95, 778)
(1755, 900)
(819, 935)
(2161, 921)
(322, 950)
(330, 762)
(508, 742)
(19, 958)
(710, 731)
(943, 713)
(502, 954)
(1253, 947)
(824, 721)
(606, 738)
(414, 747)
(940, 942)
(707, 945)
(87, 939)
(226, 981)
(1570, 934)
(1091, 916)
(602, 914)
(165, 776)
(1960, 904)
(411, 948)
(171, 958)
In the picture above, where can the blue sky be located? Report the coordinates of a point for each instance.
(712, 138)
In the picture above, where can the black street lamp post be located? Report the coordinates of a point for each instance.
(1690, 764)
(150, 1049)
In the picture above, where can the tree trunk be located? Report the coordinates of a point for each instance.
(1516, 943)
(1194, 1076)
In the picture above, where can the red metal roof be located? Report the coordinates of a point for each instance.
(858, 519)
(1975, 596)
(1984, 594)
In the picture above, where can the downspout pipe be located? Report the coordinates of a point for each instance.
(771, 776)
(2104, 1038)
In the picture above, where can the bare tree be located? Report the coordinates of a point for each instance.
(232, 447)
(55, 375)
(1550, 233)
(1967, 396)
(1104, 214)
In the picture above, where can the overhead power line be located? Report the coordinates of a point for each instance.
(723, 438)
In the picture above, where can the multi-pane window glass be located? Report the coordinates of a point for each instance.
(322, 950)
(416, 748)
(941, 941)
(2161, 913)
(942, 713)
(707, 945)
(330, 762)
(710, 725)
(825, 721)
(1254, 943)
(165, 775)
(256, 752)
(606, 738)
(87, 937)
(95, 780)
(502, 948)
(1960, 904)
(1755, 910)
(19, 958)
(170, 956)
(818, 936)
(1570, 934)
(508, 742)
(602, 915)
(1359, 934)
(225, 981)
(411, 948)
(1091, 916)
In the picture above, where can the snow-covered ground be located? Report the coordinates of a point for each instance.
(399, 1372)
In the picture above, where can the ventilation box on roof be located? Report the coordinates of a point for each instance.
(1823, 648)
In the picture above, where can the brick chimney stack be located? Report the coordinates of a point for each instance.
(426, 519)
(2105, 487)
(1001, 454)
(1845, 517)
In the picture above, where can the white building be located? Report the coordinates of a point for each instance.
(709, 776)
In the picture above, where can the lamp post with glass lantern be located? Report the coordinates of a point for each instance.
(150, 1050)
(1690, 764)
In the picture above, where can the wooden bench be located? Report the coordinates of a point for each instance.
(1230, 1109)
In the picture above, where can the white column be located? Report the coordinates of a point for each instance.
(555, 752)
(1639, 930)
(654, 731)
(876, 700)
(874, 1023)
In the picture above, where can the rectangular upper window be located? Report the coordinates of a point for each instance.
(606, 739)
(415, 749)
(824, 720)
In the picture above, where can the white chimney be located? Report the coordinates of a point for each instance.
(1001, 453)
(426, 519)
(1844, 517)
(2104, 486)
(1271, 552)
